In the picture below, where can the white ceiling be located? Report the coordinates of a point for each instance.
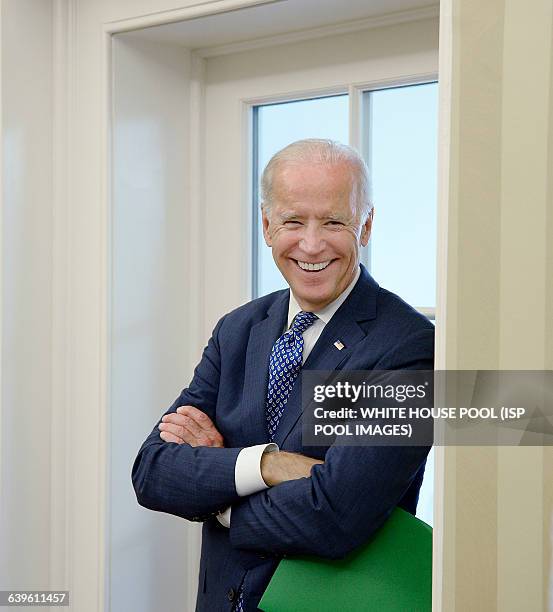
(276, 18)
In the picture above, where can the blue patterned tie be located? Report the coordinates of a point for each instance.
(284, 366)
(239, 605)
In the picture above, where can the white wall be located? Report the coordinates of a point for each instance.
(150, 566)
(27, 231)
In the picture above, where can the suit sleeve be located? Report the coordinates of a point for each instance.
(346, 499)
(191, 482)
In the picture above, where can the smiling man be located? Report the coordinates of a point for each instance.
(229, 451)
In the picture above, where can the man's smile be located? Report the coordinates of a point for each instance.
(313, 267)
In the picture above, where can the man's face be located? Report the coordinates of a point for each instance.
(313, 221)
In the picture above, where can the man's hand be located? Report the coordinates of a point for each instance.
(280, 467)
(190, 425)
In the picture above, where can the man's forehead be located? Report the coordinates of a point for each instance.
(309, 174)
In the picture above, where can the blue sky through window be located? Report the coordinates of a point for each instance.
(402, 159)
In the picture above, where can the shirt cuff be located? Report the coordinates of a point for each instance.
(247, 471)
(247, 475)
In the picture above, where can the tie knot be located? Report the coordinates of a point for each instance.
(302, 321)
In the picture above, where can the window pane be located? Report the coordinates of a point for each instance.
(401, 136)
(275, 126)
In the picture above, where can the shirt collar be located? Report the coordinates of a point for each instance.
(326, 313)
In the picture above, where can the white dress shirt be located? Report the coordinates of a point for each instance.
(247, 471)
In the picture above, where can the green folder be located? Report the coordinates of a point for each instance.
(391, 573)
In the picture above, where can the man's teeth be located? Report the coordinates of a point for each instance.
(313, 266)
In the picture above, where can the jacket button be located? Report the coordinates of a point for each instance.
(231, 594)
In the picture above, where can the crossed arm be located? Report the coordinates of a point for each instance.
(326, 509)
(313, 507)
(194, 476)
(188, 425)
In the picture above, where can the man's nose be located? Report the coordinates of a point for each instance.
(312, 241)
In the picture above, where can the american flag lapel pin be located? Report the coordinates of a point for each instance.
(339, 345)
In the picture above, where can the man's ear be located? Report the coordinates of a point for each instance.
(265, 222)
(366, 229)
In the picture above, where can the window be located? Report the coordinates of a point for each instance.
(400, 148)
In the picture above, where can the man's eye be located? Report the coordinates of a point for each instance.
(334, 223)
(290, 222)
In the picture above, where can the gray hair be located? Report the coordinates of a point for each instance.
(321, 151)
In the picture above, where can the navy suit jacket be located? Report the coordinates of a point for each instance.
(344, 501)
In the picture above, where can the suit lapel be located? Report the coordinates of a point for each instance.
(344, 326)
(262, 337)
